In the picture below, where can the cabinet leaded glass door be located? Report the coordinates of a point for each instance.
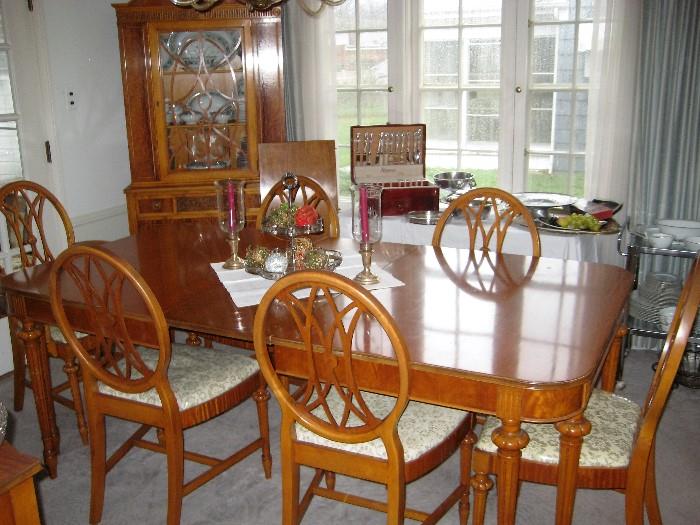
(203, 87)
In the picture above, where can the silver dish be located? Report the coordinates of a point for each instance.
(423, 217)
(540, 204)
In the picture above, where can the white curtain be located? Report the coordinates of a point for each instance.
(310, 42)
(613, 70)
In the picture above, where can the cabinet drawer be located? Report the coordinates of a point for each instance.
(155, 205)
(196, 203)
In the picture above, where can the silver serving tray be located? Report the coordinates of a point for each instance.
(335, 258)
(545, 200)
(294, 231)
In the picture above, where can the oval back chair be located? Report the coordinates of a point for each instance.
(488, 213)
(619, 451)
(323, 322)
(309, 192)
(28, 209)
(140, 376)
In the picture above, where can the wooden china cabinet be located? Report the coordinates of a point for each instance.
(201, 91)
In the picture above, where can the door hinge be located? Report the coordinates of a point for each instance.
(47, 147)
(30, 5)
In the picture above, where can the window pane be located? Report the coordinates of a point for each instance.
(441, 116)
(586, 9)
(346, 60)
(2, 29)
(484, 167)
(345, 16)
(551, 173)
(439, 162)
(544, 45)
(581, 121)
(372, 14)
(482, 55)
(585, 42)
(373, 59)
(373, 108)
(541, 105)
(347, 115)
(481, 109)
(440, 12)
(554, 10)
(440, 57)
(6, 104)
(482, 12)
(10, 161)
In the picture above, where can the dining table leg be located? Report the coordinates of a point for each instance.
(510, 440)
(571, 436)
(38, 363)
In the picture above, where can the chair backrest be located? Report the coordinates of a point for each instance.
(325, 321)
(664, 377)
(488, 213)
(314, 159)
(27, 207)
(308, 192)
(131, 350)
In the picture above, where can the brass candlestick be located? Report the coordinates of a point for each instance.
(234, 262)
(366, 276)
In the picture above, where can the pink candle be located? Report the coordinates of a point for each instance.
(231, 207)
(364, 214)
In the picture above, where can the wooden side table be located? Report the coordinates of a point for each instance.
(18, 505)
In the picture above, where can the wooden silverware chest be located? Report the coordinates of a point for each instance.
(394, 157)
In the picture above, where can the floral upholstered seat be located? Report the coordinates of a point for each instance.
(421, 428)
(614, 421)
(195, 374)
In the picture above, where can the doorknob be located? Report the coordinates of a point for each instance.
(518, 89)
(390, 89)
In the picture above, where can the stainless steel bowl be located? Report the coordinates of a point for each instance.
(454, 180)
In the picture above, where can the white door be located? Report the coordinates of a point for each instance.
(24, 118)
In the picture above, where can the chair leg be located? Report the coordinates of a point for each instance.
(98, 460)
(70, 367)
(262, 396)
(290, 490)
(651, 500)
(19, 362)
(396, 499)
(481, 483)
(175, 451)
(465, 473)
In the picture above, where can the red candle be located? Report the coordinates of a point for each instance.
(231, 207)
(364, 214)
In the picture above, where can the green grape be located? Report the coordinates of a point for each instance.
(579, 221)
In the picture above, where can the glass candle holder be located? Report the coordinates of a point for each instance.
(230, 204)
(366, 225)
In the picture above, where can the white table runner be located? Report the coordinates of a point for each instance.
(247, 289)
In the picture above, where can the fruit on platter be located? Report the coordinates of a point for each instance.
(306, 216)
(579, 221)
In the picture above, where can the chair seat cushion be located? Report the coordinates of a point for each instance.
(614, 422)
(421, 428)
(196, 374)
(58, 337)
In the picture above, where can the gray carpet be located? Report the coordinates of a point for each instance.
(136, 488)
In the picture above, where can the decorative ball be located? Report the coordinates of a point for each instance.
(256, 255)
(316, 259)
(282, 217)
(302, 245)
(276, 262)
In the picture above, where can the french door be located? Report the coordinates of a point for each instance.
(502, 85)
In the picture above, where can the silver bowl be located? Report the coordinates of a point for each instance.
(454, 180)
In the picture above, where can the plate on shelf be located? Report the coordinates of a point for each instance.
(212, 48)
(214, 106)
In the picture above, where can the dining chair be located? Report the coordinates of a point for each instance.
(139, 375)
(619, 451)
(30, 210)
(488, 213)
(309, 192)
(325, 322)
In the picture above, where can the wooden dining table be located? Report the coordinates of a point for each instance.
(517, 337)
